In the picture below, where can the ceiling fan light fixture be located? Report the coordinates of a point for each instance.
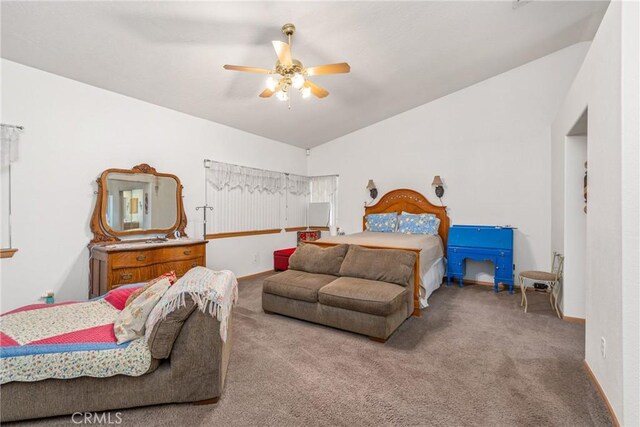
(271, 84)
(282, 95)
(291, 73)
(297, 81)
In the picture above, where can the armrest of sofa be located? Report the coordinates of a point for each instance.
(411, 295)
(199, 359)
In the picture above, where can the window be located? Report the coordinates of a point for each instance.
(244, 200)
(9, 139)
(297, 202)
(255, 201)
(324, 195)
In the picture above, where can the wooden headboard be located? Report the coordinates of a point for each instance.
(413, 202)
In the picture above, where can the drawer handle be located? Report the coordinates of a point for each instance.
(187, 252)
(126, 276)
(141, 257)
(195, 264)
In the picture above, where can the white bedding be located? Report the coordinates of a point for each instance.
(432, 263)
(431, 280)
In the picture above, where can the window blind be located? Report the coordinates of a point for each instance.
(250, 200)
(324, 189)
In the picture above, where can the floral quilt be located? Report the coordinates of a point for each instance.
(67, 340)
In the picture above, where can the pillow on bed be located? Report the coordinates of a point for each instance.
(418, 223)
(385, 223)
(385, 265)
(130, 322)
(119, 297)
(171, 275)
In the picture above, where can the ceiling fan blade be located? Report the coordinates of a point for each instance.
(266, 93)
(283, 51)
(342, 67)
(248, 69)
(316, 90)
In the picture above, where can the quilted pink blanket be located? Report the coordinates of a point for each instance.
(68, 340)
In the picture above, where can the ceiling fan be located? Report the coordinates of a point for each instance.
(290, 73)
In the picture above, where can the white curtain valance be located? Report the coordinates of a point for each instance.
(225, 175)
(221, 175)
(9, 146)
(298, 185)
(323, 188)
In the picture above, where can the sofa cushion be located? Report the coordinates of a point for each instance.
(297, 285)
(315, 259)
(386, 265)
(363, 295)
(165, 331)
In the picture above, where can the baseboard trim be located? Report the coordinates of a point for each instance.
(480, 283)
(600, 391)
(251, 276)
(578, 320)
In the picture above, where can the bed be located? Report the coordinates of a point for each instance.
(429, 269)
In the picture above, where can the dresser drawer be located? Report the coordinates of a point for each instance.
(455, 263)
(134, 259)
(183, 252)
(180, 267)
(125, 276)
(140, 262)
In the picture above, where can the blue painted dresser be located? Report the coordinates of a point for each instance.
(481, 243)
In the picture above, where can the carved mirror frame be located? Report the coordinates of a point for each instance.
(102, 233)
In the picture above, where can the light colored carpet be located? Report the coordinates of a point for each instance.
(473, 359)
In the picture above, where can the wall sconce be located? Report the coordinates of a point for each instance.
(373, 191)
(437, 182)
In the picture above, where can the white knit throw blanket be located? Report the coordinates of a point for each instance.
(214, 292)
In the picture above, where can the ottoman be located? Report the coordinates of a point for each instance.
(281, 259)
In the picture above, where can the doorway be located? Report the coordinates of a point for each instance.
(576, 210)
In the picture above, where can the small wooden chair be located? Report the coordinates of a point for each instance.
(553, 279)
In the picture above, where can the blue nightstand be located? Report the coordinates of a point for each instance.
(481, 243)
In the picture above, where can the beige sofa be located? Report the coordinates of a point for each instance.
(190, 365)
(367, 291)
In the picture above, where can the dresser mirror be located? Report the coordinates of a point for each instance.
(133, 203)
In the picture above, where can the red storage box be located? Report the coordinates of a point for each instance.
(281, 259)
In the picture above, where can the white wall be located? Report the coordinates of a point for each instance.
(72, 133)
(631, 211)
(489, 143)
(575, 237)
(612, 221)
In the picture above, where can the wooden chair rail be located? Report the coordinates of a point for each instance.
(7, 253)
(259, 232)
(243, 233)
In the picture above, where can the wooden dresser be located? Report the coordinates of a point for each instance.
(122, 263)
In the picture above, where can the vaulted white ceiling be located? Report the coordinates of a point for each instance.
(402, 54)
